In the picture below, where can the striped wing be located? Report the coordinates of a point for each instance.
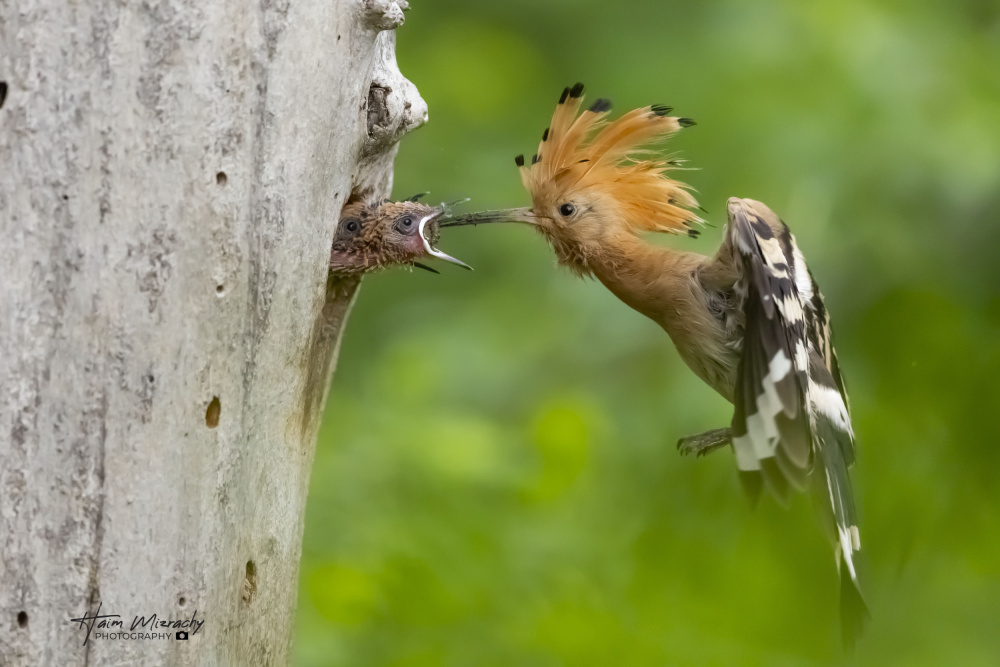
(791, 408)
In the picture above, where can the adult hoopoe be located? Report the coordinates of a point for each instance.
(376, 234)
(749, 321)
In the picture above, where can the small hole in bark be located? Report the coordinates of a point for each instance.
(220, 178)
(22, 619)
(65, 197)
(181, 601)
(3, 92)
(220, 289)
(250, 583)
(378, 111)
(212, 413)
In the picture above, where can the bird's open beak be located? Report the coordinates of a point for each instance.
(425, 230)
(523, 215)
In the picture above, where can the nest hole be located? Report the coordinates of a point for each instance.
(250, 583)
(212, 412)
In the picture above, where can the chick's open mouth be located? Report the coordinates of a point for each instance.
(430, 233)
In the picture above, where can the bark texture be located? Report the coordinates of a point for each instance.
(171, 175)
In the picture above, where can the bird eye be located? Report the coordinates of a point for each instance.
(567, 210)
(404, 225)
(352, 226)
(406, 222)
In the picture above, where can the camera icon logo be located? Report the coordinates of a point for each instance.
(182, 634)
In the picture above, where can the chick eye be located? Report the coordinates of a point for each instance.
(567, 210)
(405, 224)
(352, 226)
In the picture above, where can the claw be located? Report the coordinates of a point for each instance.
(704, 443)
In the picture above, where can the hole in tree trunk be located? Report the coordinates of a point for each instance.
(212, 413)
(250, 583)
(22, 619)
(221, 178)
(378, 112)
(3, 92)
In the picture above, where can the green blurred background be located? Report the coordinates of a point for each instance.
(496, 481)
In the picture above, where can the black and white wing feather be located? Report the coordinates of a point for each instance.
(791, 413)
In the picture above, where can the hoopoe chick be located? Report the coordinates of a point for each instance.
(749, 321)
(374, 235)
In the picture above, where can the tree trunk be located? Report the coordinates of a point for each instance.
(171, 175)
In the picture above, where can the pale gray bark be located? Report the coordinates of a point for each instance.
(171, 174)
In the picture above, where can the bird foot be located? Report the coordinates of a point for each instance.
(703, 443)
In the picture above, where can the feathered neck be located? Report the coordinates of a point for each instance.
(654, 280)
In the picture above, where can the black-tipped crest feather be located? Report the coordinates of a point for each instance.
(600, 105)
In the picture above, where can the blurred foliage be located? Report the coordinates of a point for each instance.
(496, 481)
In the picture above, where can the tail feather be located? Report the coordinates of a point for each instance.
(838, 484)
(854, 613)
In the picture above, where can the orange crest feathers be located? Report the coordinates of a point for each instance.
(581, 151)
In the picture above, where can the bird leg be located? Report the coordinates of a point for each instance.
(703, 443)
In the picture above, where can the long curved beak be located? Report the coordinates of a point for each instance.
(431, 250)
(522, 215)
